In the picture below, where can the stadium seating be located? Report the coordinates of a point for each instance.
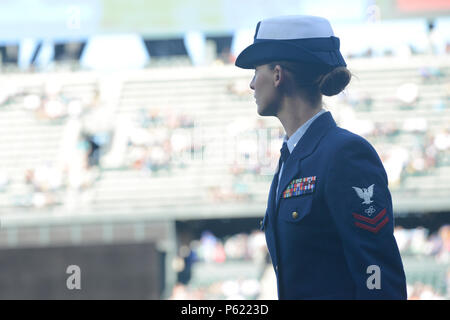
(219, 101)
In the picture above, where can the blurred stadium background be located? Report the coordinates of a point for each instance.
(130, 145)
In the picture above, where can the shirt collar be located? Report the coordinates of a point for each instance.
(298, 134)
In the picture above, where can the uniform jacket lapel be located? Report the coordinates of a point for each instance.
(272, 192)
(304, 148)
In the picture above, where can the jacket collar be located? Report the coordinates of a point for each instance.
(304, 148)
(298, 134)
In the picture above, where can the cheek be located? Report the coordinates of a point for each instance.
(267, 93)
(263, 87)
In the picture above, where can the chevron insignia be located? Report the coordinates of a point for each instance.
(371, 224)
(299, 186)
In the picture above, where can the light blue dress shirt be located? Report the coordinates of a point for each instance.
(294, 139)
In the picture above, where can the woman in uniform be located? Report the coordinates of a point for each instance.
(329, 221)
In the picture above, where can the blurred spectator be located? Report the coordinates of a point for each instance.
(182, 292)
(256, 148)
(210, 250)
(208, 242)
(240, 88)
(92, 150)
(444, 253)
(418, 242)
(407, 94)
(160, 140)
(383, 129)
(236, 247)
(415, 125)
(52, 104)
(394, 161)
(4, 181)
(241, 246)
(7, 95)
(420, 291)
(366, 102)
(430, 74)
(45, 182)
(440, 105)
(442, 140)
(186, 258)
(238, 191)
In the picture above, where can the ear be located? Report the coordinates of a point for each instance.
(277, 75)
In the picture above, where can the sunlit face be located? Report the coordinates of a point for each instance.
(266, 93)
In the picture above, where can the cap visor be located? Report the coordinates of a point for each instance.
(272, 50)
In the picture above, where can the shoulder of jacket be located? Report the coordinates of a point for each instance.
(343, 140)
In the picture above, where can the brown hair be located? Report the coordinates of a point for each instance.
(335, 81)
(315, 80)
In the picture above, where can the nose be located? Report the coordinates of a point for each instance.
(252, 83)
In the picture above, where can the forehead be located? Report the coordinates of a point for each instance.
(261, 67)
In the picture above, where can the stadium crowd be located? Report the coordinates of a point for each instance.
(210, 250)
(161, 140)
(77, 166)
(251, 247)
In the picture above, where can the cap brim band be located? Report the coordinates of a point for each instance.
(263, 52)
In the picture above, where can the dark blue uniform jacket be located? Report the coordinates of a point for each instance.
(331, 234)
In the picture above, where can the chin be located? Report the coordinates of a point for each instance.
(267, 111)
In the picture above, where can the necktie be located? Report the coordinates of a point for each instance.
(284, 152)
(283, 158)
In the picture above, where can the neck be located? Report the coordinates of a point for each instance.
(293, 113)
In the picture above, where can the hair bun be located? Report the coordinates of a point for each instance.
(335, 81)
